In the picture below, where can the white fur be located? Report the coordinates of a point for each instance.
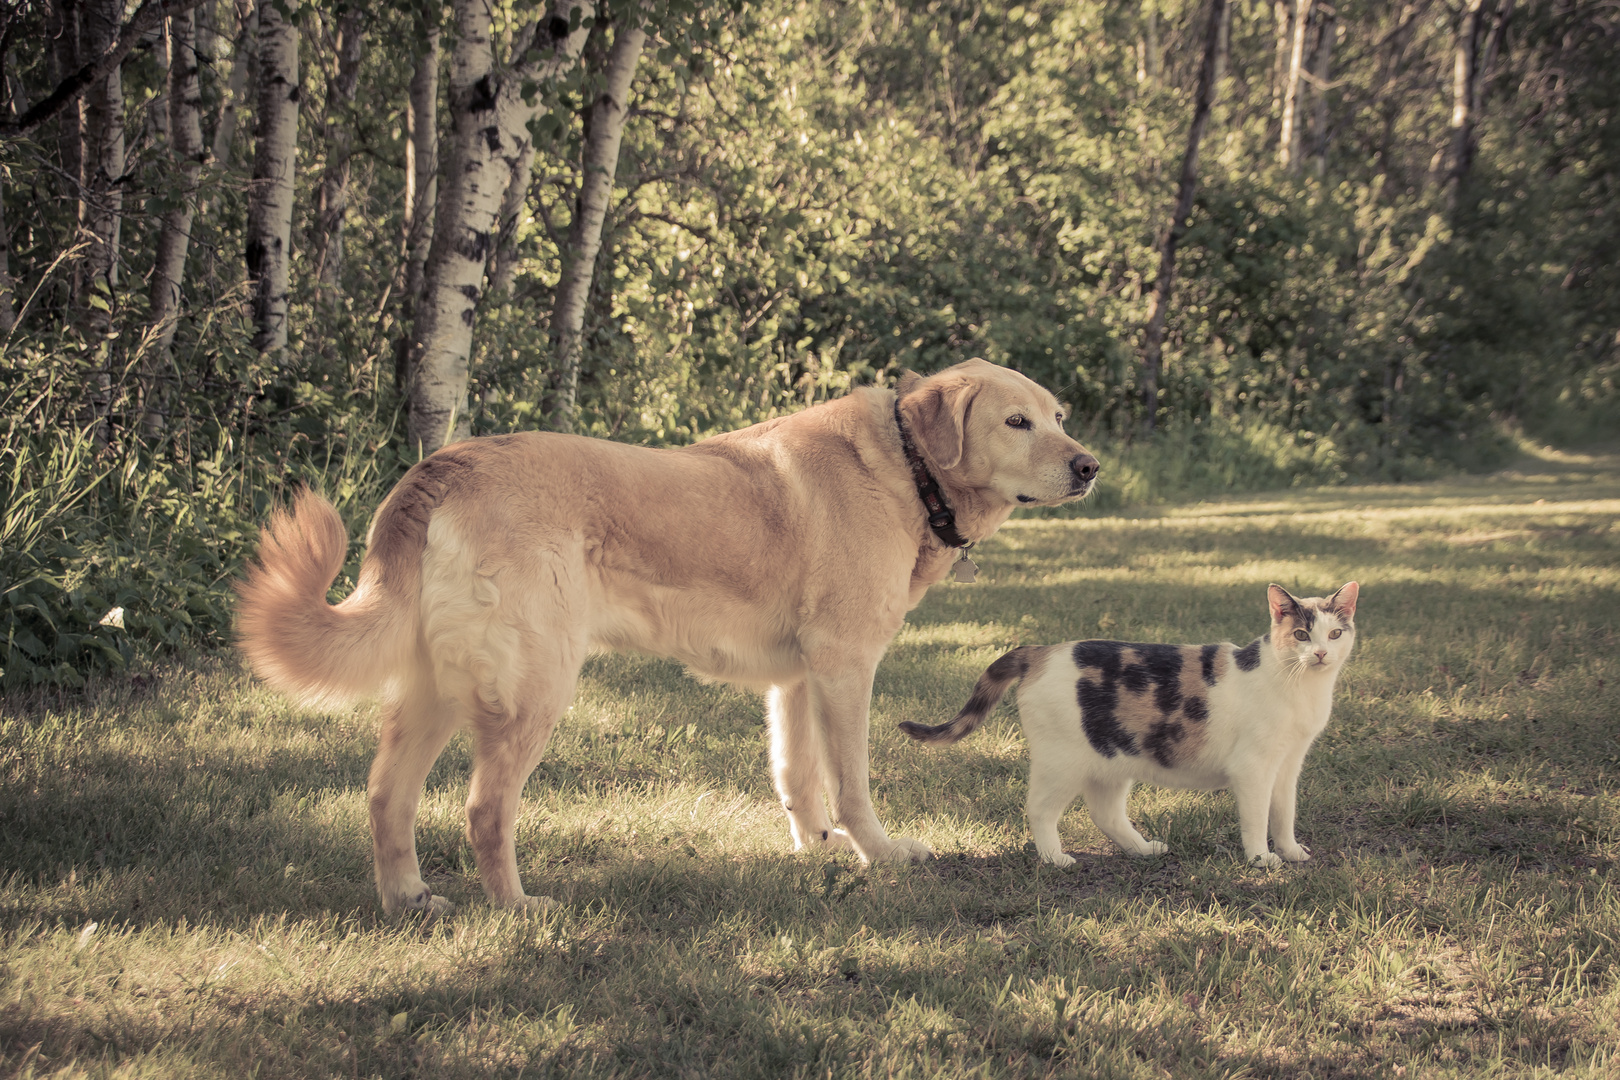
(1261, 725)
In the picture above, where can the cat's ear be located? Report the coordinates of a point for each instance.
(1344, 601)
(1282, 602)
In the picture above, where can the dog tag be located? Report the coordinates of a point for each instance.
(965, 569)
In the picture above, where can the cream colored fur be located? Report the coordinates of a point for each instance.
(783, 556)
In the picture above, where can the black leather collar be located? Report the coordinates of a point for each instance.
(941, 518)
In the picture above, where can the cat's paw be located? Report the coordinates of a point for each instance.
(1265, 861)
(1058, 859)
(1297, 853)
(1150, 848)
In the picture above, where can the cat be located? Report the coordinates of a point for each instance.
(1101, 715)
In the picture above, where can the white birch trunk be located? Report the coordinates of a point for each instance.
(1474, 54)
(104, 210)
(242, 64)
(421, 193)
(1288, 138)
(270, 199)
(333, 201)
(104, 159)
(488, 127)
(184, 98)
(608, 113)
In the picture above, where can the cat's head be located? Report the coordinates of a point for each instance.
(1312, 634)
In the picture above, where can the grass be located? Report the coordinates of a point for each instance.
(187, 882)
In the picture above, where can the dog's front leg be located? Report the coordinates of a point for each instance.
(840, 703)
(796, 761)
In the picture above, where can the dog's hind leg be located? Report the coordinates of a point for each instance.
(414, 731)
(508, 740)
(796, 756)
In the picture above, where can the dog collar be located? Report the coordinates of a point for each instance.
(941, 519)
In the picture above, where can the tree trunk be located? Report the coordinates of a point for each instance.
(104, 210)
(168, 271)
(243, 61)
(421, 192)
(1322, 70)
(1282, 12)
(516, 198)
(333, 201)
(606, 132)
(1186, 189)
(1288, 139)
(64, 21)
(1479, 38)
(488, 126)
(8, 299)
(270, 199)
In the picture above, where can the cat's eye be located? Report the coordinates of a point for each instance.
(1018, 421)
(1302, 635)
(1334, 634)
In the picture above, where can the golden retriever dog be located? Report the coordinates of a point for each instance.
(783, 556)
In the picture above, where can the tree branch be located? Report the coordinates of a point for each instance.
(144, 21)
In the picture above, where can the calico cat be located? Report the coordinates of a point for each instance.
(1101, 715)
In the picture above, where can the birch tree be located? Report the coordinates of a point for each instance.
(236, 87)
(604, 134)
(270, 200)
(103, 188)
(1479, 37)
(1186, 189)
(332, 203)
(1288, 137)
(490, 109)
(184, 95)
(421, 189)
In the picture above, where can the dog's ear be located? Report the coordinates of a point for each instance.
(908, 382)
(937, 418)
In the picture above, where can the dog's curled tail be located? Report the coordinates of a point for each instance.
(318, 653)
(987, 694)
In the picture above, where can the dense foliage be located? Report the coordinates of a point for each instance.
(811, 196)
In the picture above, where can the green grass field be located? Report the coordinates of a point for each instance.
(186, 862)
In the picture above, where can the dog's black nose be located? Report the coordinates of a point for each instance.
(1084, 466)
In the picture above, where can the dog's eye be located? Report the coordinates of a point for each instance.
(1301, 635)
(1334, 634)
(1017, 422)
(1060, 419)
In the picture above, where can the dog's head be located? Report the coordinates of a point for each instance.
(991, 429)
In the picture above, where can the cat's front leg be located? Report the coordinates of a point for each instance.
(1253, 797)
(1284, 795)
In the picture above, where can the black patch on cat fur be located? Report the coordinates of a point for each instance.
(1161, 741)
(1195, 709)
(1206, 658)
(1248, 657)
(1154, 666)
(1099, 697)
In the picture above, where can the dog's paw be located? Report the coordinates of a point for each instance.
(531, 905)
(1058, 859)
(1297, 853)
(904, 850)
(1151, 848)
(826, 842)
(422, 902)
(1266, 861)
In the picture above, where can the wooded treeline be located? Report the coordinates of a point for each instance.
(246, 241)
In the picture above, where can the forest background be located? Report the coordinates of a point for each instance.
(253, 243)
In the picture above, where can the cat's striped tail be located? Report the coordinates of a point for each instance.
(987, 694)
